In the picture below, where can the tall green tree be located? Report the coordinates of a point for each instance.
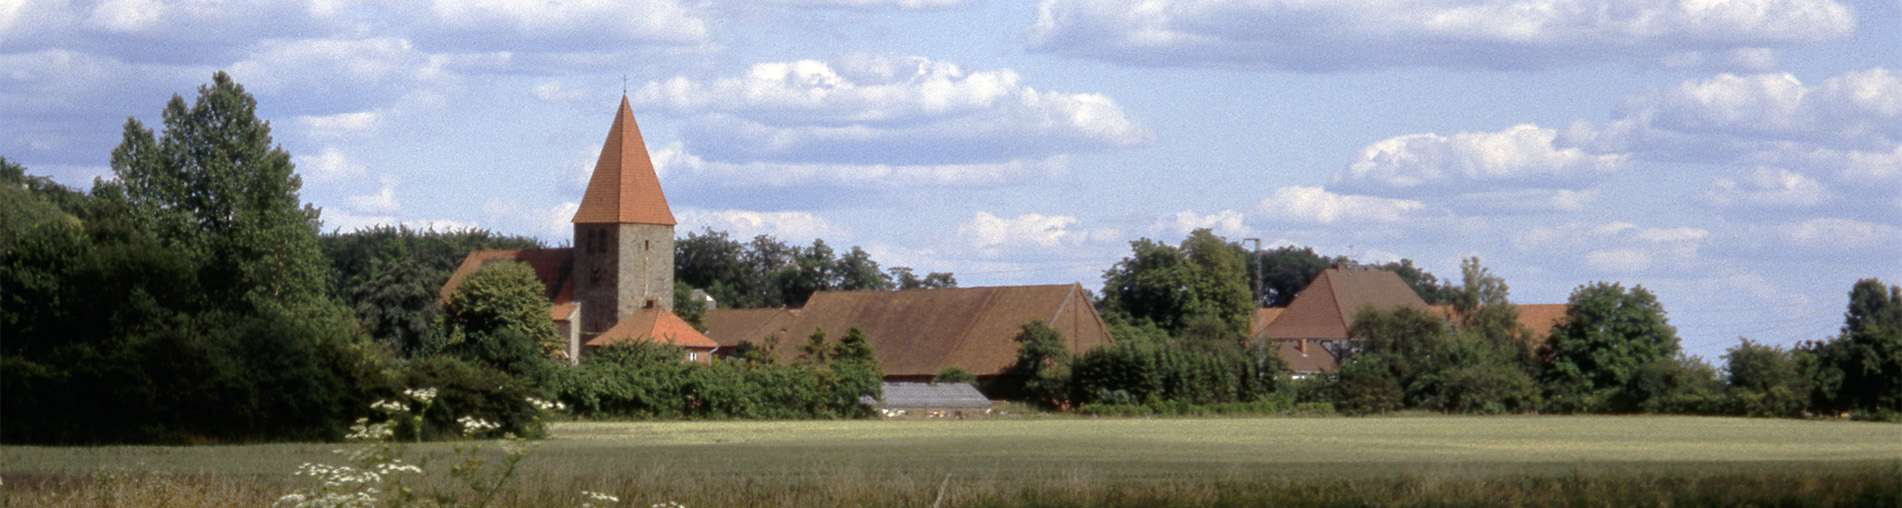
(1867, 356)
(498, 317)
(1608, 336)
(1042, 370)
(1168, 285)
(213, 186)
(1766, 380)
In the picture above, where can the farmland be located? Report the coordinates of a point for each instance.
(1059, 461)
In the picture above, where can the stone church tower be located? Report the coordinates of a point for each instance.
(624, 234)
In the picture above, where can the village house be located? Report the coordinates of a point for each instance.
(1311, 333)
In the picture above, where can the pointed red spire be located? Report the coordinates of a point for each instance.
(624, 188)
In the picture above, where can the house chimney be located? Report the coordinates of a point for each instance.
(1301, 346)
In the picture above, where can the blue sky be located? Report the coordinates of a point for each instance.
(1742, 158)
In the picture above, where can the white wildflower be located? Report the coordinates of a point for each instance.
(423, 395)
(363, 430)
(472, 425)
(389, 406)
(590, 498)
(545, 406)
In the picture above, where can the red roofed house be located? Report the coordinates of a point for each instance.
(918, 333)
(617, 283)
(1311, 333)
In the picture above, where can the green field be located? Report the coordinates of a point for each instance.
(1000, 460)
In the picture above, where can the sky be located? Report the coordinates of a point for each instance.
(1741, 159)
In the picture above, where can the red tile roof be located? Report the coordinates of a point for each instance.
(624, 188)
(1262, 317)
(657, 325)
(552, 266)
(1326, 309)
(730, 327)
(921, 332)
(1541, 318)
(1315, 359)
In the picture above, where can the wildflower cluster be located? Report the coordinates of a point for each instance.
(380, 476)
(588, 499)
(423, 395)
(547, 406)
(472, 426)
(363, 430)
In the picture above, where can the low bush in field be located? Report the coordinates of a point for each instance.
(650, 381)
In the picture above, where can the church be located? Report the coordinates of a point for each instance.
(616, 285)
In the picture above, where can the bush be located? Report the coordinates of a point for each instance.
(472, 390)
(643, 380)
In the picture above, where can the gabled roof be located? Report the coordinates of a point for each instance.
(657, 325)
(552, 266)
(1315, 359)
(920, 332)
(1539, 318)
(730, 327)
(624, 188)
(1326, 309)
(1263, 316)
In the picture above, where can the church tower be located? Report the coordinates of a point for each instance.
(624, 234)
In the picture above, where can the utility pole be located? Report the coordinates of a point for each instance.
(1254, 268)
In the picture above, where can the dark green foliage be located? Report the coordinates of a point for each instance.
(1142, 367)
(392, 277)
(1765, 380)
(471, 390)
(498, 317)
(644, 380)
(1861, 369)
(212, 187)
(955, 374)
(1169, 285)
(1042, 370)
(186, 301)
(1481, 362)
(686, 307)
(1285, 271)
(766, 272)
(1608, 336)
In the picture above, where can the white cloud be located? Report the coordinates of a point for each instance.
(1616, 247)
(1618, 260)
(339, 125)
(745, 224)
(569, 24)
(1315, 204)
(1514, 34)
(1767, 187)
(557, 91)
(877, 4)
(677, 164)
(1746, 115)
(330, 75)
(1520, 155)
(551, 224)
(383, 201)
(995, 236)
(872, 109)
(1228, 223)
(329, 164)
(1837, 234)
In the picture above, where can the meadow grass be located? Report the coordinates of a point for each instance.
(1395, 461)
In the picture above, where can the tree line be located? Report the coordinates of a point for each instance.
(195, 297)
(1179, 316)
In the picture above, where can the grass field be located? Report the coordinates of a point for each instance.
(1076, 461)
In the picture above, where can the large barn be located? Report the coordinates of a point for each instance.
(919, 333)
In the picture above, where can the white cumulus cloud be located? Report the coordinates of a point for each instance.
(1767, 187)
(1507, 34)
(383, 201)
(1318, 205)
(675, 163)
(746, 224)
(1523, 155)
(994, 236)
(1228, 223)
(881, 110)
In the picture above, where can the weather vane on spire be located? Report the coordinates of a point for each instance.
(623, 85)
